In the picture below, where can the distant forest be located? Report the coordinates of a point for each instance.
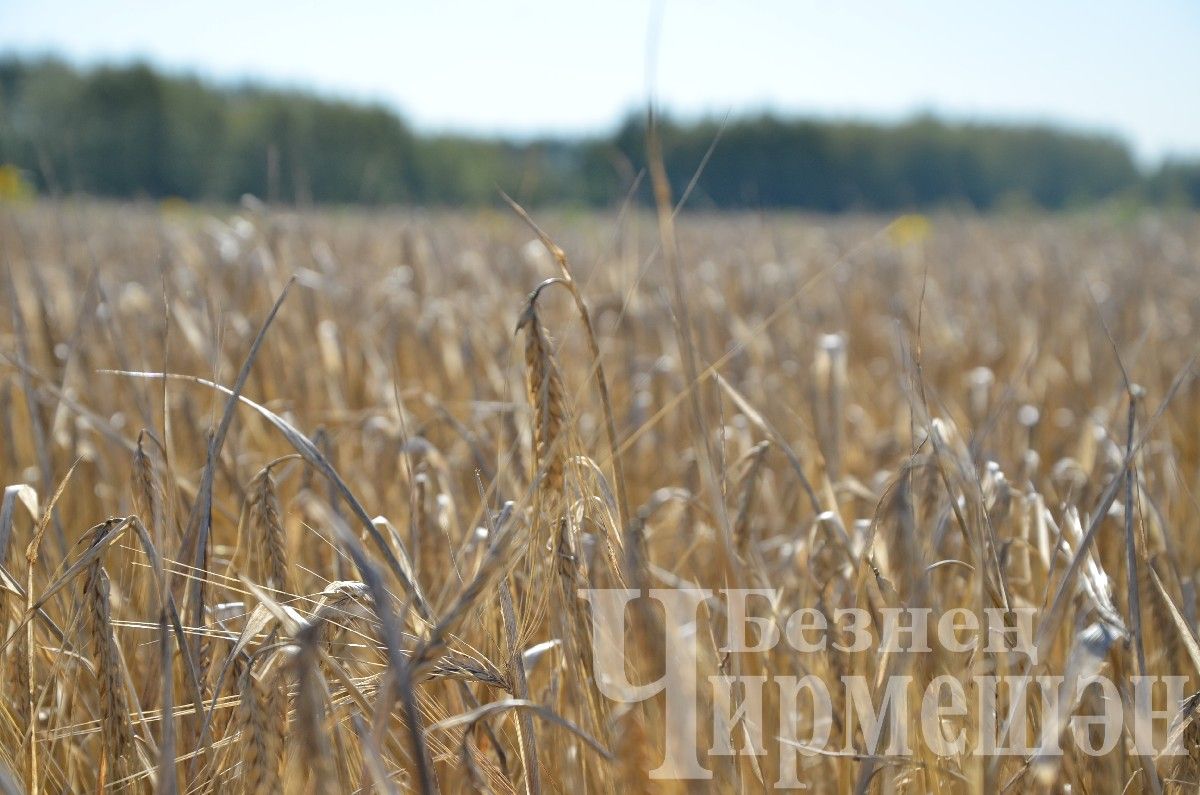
(132, 132)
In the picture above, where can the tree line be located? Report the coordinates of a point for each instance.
(133, 132)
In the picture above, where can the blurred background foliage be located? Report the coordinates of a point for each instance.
(132, 132)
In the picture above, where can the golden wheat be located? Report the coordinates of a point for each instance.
(402, 505)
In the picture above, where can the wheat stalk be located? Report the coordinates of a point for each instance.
(544, 387)
(268, 542)
(114, 706)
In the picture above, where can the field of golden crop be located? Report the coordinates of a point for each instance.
(363, 574)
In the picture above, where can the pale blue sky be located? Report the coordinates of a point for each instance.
(531, 66)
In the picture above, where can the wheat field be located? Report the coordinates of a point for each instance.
(304, 501)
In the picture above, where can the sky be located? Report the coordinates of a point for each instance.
(528, 67)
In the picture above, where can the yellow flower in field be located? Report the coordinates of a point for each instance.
(13, 185)
(909, 229)
(174, 205)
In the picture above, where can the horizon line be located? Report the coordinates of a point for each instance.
(572, 133)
